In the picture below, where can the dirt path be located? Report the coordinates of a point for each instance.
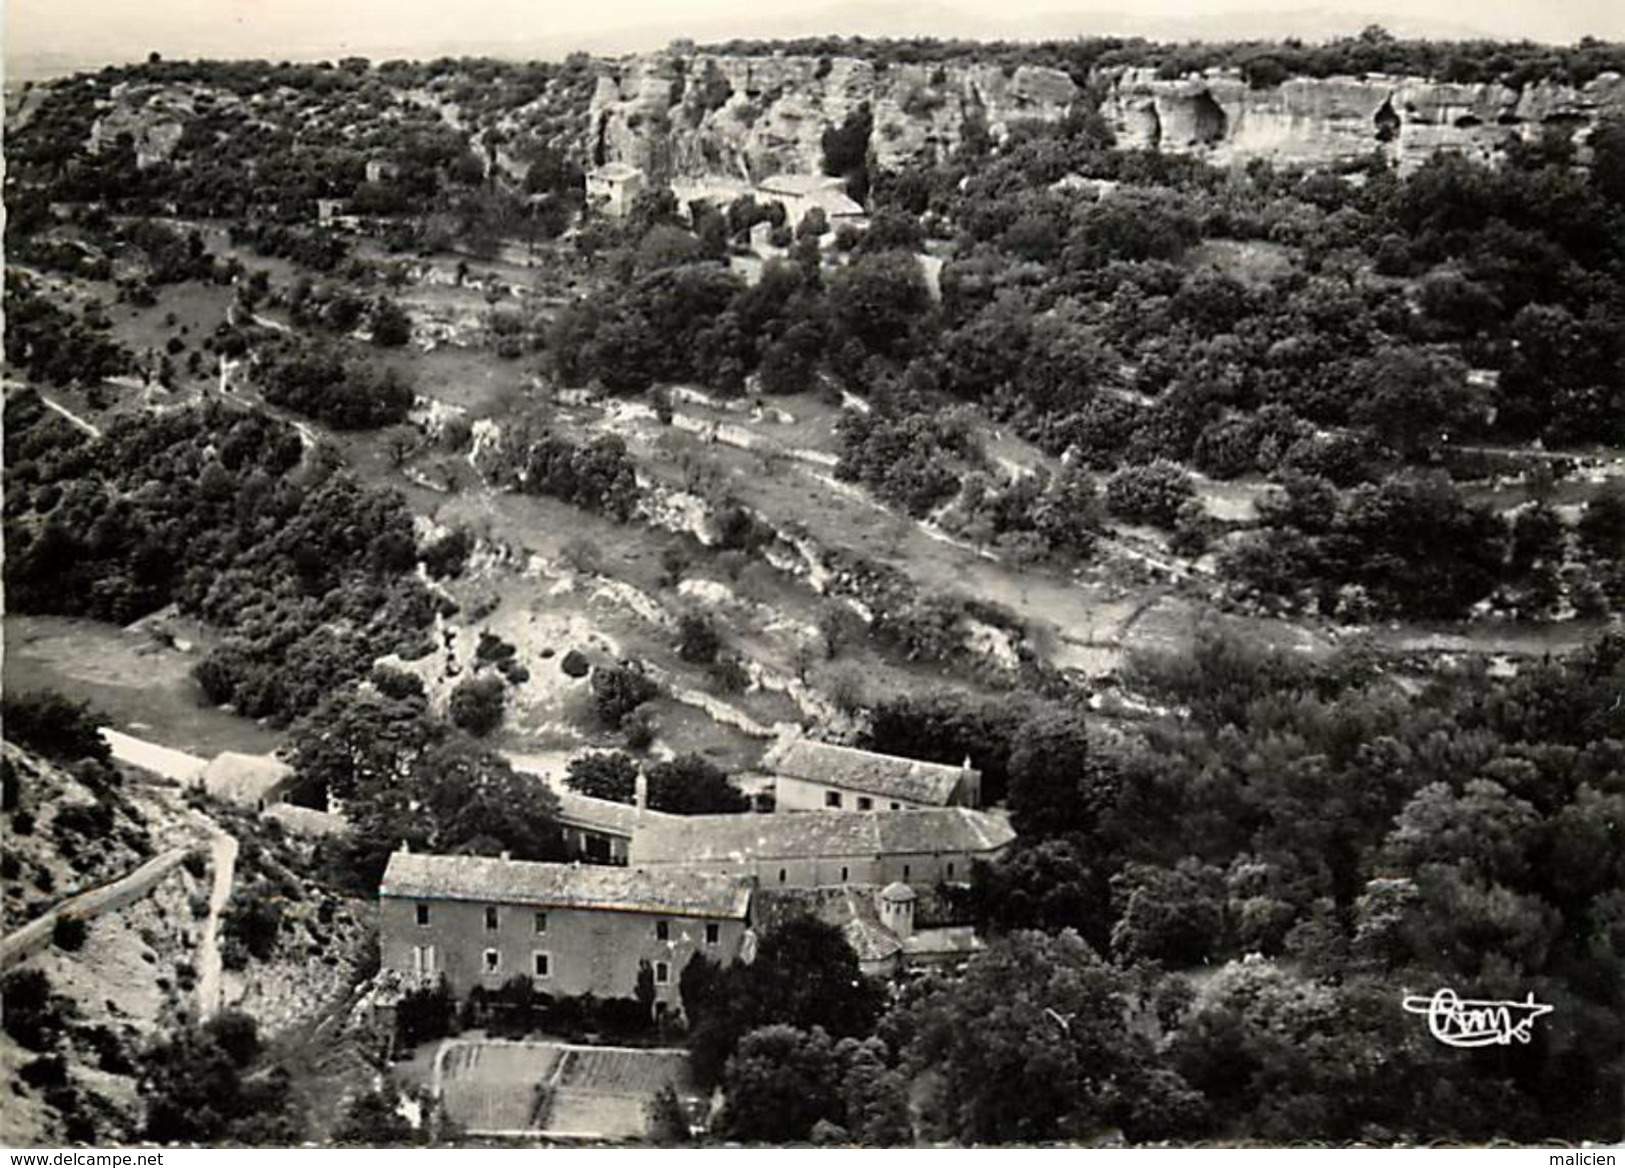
(149, 756)
(87, 427)
(223, 861)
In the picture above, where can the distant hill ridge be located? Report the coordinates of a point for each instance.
(748, 109)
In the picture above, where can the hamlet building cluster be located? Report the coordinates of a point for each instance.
(861, 841)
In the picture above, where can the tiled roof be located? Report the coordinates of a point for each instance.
(306, 819)
(952, 941)
(873, 941)
(602, 815)
(948, 829)
(793, 835)
(870, 940)
(498, 881)
(799, 184)
(862, 770)
(856, 916)
(244, 777)
(835, 204)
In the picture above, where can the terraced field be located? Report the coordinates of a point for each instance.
(552, 1089)
(497, 1087)
(605, 1091)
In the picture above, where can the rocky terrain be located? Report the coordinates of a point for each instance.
(675, 114)
(755, 116)
(85, 1009)
(683, 113)
(1323, 121)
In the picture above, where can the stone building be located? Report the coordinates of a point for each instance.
(572, 929)
(254, 781)
(820, 776)
(882, 932)
(614, 187)
(600, 831)
(821, 849)
(800, 193)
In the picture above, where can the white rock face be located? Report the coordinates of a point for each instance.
(1320, 121)
(774, 118)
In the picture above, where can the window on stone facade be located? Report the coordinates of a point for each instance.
(843, 875)
(905, 871)
(541, 922)
(832, 798)
(865, 803)
(544, 965)
(781, 875)
(423, 914)
(950, 867)
(662, 931)
(662, 973)
(490, 918)
(896, 806)
(713, 932)
(493, 960)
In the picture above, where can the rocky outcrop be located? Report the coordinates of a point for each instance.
(152, 116)
(748, 117)
(743, 118)
(1322, 121)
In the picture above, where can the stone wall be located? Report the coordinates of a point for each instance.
(87, 906)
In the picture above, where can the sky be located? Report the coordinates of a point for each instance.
(82, 32)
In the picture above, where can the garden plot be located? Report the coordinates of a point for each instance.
(553, 1089)
(497, 1086)
(605, 1092)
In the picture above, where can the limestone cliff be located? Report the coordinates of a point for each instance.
(748, 117)
(1323, 121)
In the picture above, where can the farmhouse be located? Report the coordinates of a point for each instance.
(820, 776)
(572, 929)
(819, 849)
(255, 781)
(614, 186)
(800, 193)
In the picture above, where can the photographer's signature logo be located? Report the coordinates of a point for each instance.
(1455, 1022)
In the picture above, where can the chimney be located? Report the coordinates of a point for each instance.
(406, 847)
(506, 857)
(640, 790)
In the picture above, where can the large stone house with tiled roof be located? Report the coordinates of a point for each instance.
(822, 849)
(821, 776)
(573, 929)
(800, 193)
